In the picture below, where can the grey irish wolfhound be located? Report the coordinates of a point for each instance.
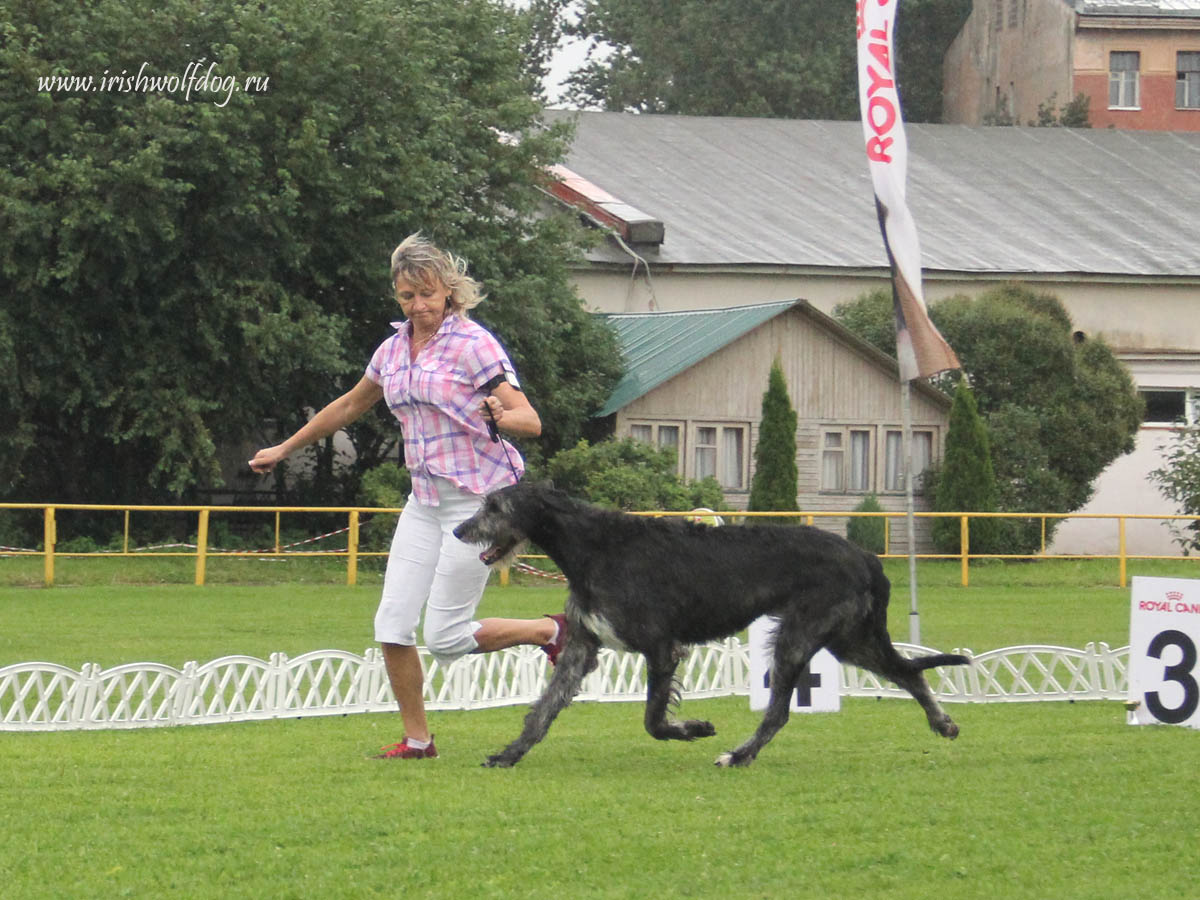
(655, 585)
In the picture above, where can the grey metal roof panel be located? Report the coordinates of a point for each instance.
(1138, 7)
(764, 192)
(658, 346)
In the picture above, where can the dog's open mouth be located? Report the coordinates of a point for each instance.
(496, 553)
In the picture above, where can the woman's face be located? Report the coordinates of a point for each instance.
(424, 305)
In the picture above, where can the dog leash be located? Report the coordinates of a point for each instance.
(494, 431)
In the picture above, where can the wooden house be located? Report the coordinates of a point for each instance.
(695, 381)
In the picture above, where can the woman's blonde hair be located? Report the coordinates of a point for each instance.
(418, 261)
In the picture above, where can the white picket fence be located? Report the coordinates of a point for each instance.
(39, 696)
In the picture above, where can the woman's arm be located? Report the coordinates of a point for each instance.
(335, 416)
(512, 411)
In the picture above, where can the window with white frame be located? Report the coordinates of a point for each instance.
(1123, 66)
(833, 461)
(848, 460)
(661, 434)
(893, 465)
(1171, 406)
(719, 450)
(1187, 79)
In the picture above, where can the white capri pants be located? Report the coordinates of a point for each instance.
(429, 567)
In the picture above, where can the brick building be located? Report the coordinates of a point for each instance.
(1137, 61)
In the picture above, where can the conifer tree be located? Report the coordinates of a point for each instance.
(966, 482)
(774, 485)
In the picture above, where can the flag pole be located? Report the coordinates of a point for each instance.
(914, 615)
(921, 350)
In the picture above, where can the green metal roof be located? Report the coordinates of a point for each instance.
(658, 346)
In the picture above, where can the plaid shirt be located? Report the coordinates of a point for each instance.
(437, 398)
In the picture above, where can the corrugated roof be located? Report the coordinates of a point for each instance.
(658, 346)
(780, 192)
(1138, 7)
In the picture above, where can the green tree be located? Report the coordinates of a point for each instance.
(924, 31)
(631, 475)
(1059, 406)
(966, 481)
(386, 485)
(774, 486)
(544, 26)
(872, 317)
(1073, 115)
(185, 269)
(1178, 479)
(792, 59)
(868, 532)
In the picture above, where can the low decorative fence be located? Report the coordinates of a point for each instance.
(39, 696)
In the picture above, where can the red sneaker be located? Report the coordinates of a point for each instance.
(555, 647)
(403, 751)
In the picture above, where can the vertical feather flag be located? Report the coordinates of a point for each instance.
(920, 347)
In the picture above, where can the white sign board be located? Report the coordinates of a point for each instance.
(1164, 634)
(819, 689)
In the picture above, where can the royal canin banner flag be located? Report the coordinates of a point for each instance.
(920, 347)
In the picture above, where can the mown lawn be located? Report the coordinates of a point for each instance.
(1032, 801)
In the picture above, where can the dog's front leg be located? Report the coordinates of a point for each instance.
(660, 678)
(577, 659)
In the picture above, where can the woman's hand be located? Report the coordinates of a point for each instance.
(512, 411)
(266, 459)
(492, 409)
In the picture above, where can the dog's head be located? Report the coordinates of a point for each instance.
(504, 521)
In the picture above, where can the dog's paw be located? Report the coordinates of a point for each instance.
(499, 761)
(948, 730)
(731, 758)
(696, 728)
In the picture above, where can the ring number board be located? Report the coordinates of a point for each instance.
(1164, 637)
(819, 686)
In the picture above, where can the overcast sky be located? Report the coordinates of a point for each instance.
(570, 56)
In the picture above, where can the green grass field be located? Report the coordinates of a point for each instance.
(1032, 801)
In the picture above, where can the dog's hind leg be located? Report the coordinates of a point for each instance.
(577, 659)
(880, 657)
(660, 677)
(870, 647)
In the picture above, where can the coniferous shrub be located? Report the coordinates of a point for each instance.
(774, 486)
(966, 481)
(869, 532)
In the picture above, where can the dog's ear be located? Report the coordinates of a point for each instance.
(545, 484)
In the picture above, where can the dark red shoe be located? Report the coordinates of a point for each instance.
(403, 751)
(555, 647)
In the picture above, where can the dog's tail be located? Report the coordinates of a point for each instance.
(921, 663)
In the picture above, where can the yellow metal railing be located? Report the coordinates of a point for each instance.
(353, 552)
(201, 552)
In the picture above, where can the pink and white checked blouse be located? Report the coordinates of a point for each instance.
(437, 398)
